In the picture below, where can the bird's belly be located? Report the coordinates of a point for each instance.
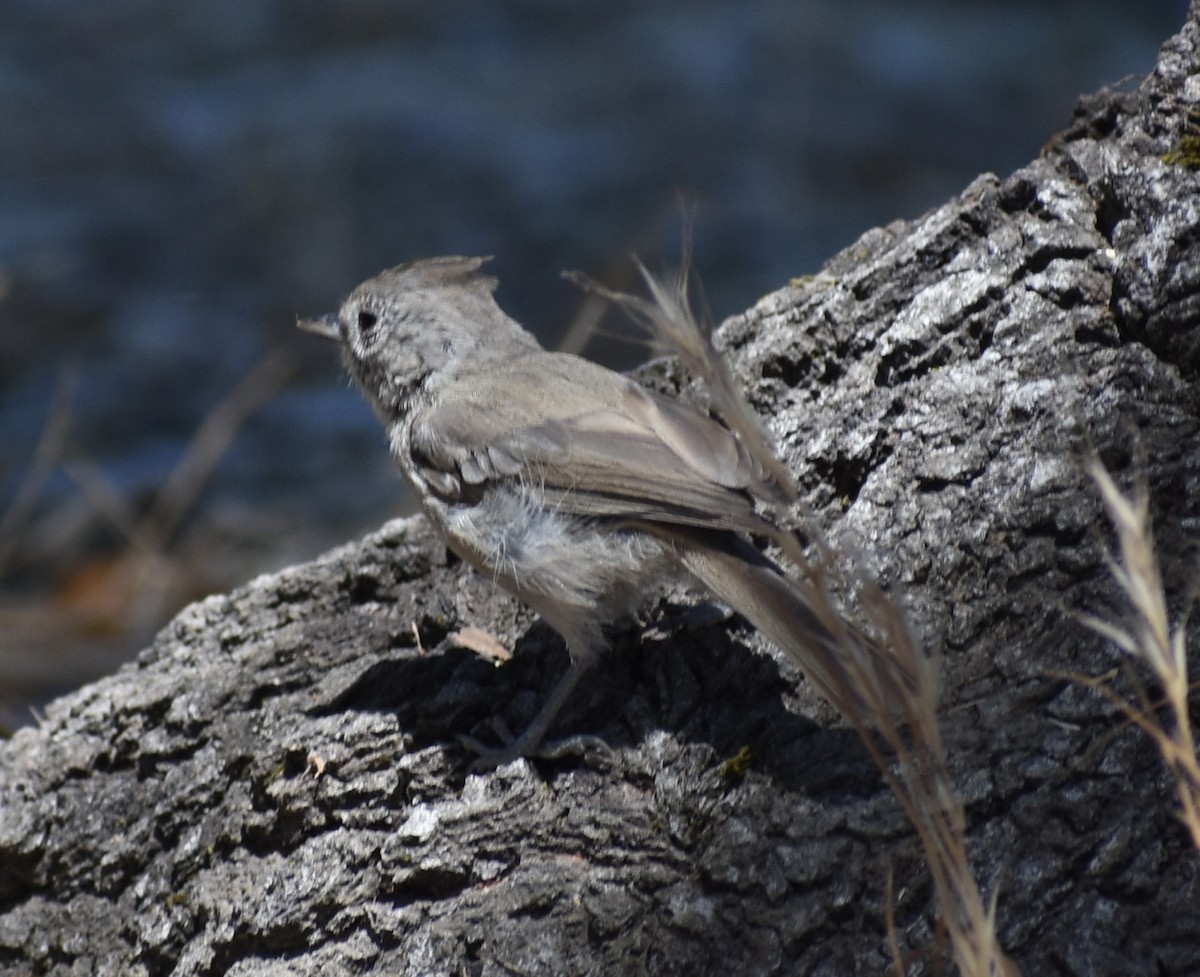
(551, 558)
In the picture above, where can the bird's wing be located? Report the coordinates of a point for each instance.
(594, 441)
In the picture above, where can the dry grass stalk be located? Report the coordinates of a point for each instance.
(883, 683)
(46, 455)
(899, 684)
(130, 593)
(668, 319)
(212, 439)
(1147, 637)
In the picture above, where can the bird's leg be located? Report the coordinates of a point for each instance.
(531, 743)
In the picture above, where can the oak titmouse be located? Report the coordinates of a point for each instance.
(575, 488)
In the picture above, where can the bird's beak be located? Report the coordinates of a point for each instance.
(325, 326)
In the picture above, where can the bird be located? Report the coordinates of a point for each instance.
(573, 487)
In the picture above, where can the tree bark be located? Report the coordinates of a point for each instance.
(275, 786)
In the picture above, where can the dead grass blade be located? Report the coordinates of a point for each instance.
(46, 455)
(668, 319)
(880, 679)
(1144, 635)
(213, 438)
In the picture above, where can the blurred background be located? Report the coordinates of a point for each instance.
(179, 181)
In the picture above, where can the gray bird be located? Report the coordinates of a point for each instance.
(576, 489)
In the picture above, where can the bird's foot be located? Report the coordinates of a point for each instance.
(533, 745)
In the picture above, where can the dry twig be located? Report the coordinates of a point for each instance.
(46, 455)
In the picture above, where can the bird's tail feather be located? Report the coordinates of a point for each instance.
(805, 627)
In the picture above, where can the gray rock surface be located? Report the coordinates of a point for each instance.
(274, 787)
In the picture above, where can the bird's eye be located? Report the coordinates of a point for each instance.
(366, 320)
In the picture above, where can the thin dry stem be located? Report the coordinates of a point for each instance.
(211, 441)
(151, 533)
(46, 455)
(893, 934)
(670, 322)
(1147, 637)
(919, 777)
(151, 576)
(882, 682)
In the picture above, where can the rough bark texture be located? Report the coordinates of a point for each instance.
(934, 388)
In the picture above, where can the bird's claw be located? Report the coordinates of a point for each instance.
(587, 747)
